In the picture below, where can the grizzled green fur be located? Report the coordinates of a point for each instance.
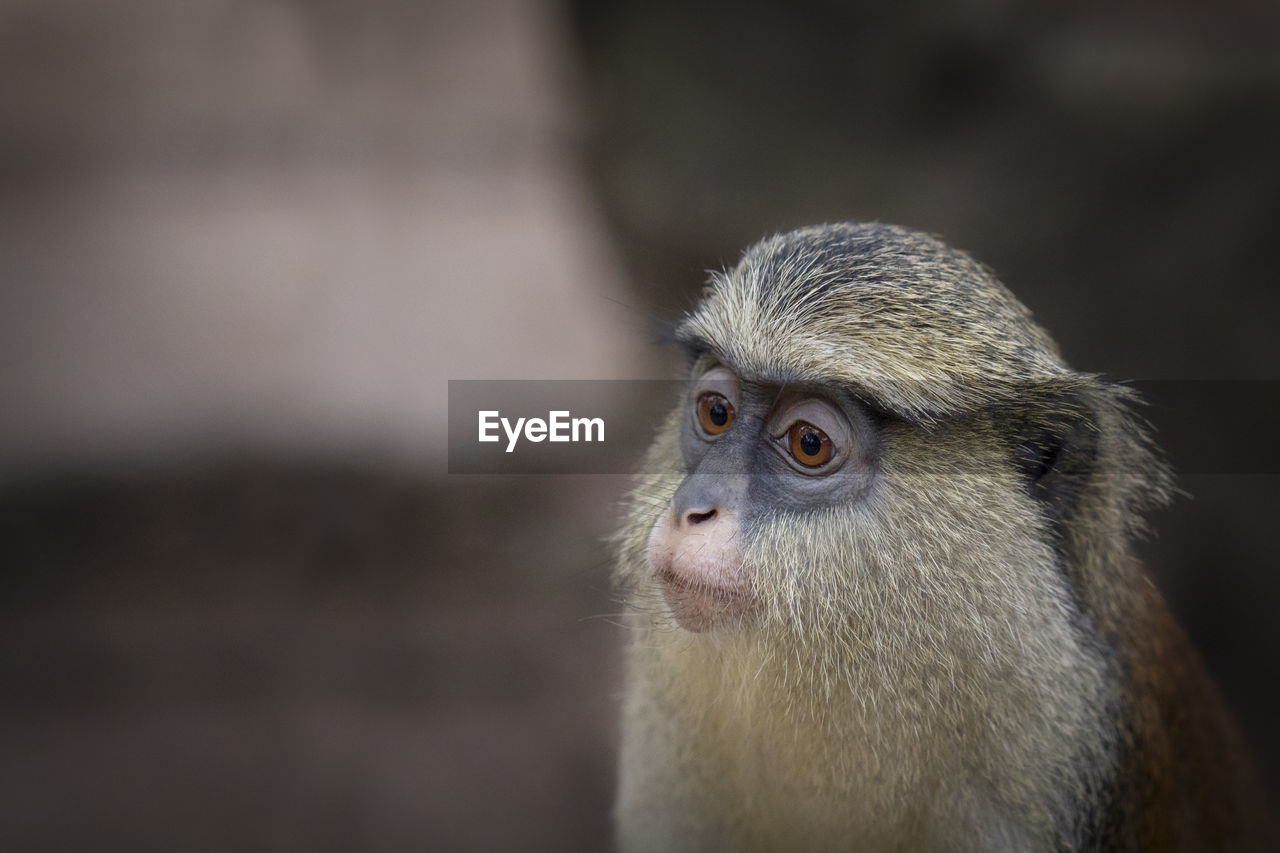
(925, 670)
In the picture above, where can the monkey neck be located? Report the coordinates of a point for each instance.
(978, 704)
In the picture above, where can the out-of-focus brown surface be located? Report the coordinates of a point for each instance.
(285, 225)
(244, 244)
(265, 655)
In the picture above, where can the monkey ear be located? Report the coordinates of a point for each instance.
(1056, 453)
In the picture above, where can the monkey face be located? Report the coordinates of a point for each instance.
(750, 448)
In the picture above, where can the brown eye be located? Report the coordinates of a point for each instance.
(715, 412)
(809, 445)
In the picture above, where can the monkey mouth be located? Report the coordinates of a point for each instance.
(699, 606)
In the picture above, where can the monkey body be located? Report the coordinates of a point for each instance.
(880, 586)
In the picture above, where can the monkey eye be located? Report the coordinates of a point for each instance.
(715, 412)
(809, 446)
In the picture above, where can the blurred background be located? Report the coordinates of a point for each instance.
(244, 245)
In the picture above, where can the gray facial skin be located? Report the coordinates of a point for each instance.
(751, 467)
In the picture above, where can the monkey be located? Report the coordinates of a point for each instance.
(880, 587)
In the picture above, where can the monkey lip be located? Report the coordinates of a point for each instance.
(699, 606)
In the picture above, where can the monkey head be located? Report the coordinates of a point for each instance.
(865, 405)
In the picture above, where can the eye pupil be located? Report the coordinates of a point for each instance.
(715, 413)
(810, 444)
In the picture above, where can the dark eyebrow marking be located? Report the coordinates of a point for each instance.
(696, 346)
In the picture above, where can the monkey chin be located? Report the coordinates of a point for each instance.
(700, 607)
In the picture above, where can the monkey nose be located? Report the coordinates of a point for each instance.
(698, 516)
(703, 498)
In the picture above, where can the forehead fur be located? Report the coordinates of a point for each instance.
(920, 326)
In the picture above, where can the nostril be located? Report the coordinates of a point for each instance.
(699, 517)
